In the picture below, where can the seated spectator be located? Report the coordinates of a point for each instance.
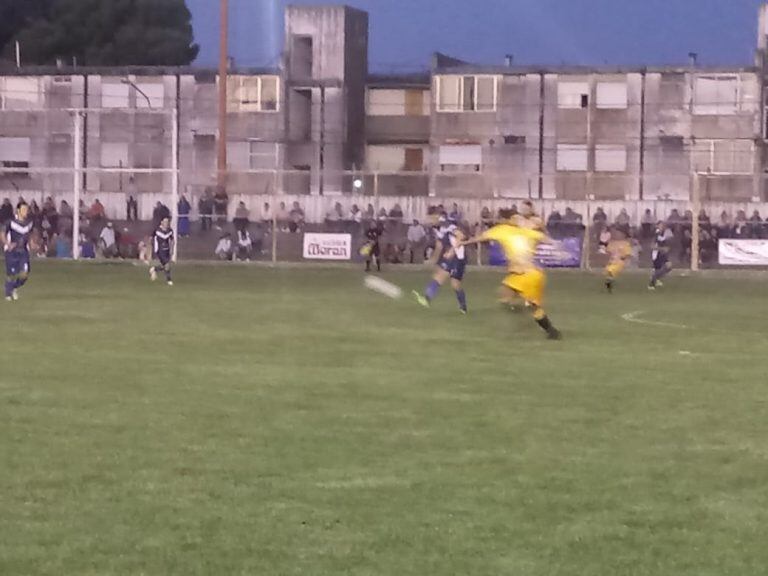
(336, 214)
(160, 213)
(283, 217)
(355, 214)
(6, 212)
(724, 225)
(602, 241)
(674, 218)
(96, 213)
(708, 245)
(108, 241)
(223, 249)
(416, 239)
(553, 221)
(296, 218)
(622, 219)
(184, 208)
(703, 218)
(647, 222)
(63, 247)
(599, 218)
(220, 204)
(242, 217)
(396, 213)
(128, 245)
(370, 213)
(382, 216)
(244, 245)
(455, 214)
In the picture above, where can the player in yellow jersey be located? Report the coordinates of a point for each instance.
(619, 251)
(527, 218)
(525, 278)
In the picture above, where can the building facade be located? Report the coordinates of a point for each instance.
(321, 124)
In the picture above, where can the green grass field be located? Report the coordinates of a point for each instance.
(253, 421)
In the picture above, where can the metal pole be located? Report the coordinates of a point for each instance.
(78, 183)
(223, 75)
(695, 223)
(175, 181)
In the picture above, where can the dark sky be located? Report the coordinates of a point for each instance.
(404, 33)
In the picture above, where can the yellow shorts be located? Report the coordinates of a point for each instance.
(530, 285)
(614, 269)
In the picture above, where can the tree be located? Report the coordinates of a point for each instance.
(112, 33)
(16, 15)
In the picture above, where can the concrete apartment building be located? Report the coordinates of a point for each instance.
(321, 122)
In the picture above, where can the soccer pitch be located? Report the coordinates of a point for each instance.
(288, 421)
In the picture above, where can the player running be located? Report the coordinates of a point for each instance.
(452, 263)
(162, 250)
(16, 248)
(372, 248)
(660, 255)
(619, 252)
(525, 278)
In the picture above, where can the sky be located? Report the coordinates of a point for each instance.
(405, 33)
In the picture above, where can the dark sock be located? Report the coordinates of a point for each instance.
(462, 298)
(546, 325)
(432, 289)
(609, 284)
(9, 286)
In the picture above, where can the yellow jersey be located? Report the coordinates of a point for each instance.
(619, 250)
(519, 245)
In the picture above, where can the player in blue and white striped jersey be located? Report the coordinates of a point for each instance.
(162, 250)
(16, 247)
(451, 264)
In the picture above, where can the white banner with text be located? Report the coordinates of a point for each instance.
(743, 252)
(327, 246)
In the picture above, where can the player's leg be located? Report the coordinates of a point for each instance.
(167, 270)
(377, 257)
(430, 292)
(510, 299)
(11, 272)
(461, 296)
(612, 271)
(531, 287)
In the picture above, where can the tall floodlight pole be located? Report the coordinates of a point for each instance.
(221, 163)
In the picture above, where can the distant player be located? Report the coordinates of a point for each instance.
(660, 255)
(162, 250)
(619, 252)
(16, 248)
(525, 279)
(452, 264)
(372, 248)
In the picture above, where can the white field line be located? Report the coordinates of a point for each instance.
(633, 317)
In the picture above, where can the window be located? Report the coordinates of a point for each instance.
(610, 158)
(148, 156)
(262, 155)
(723, 156)
(238, 156)
(114, 95)
(612, 95)
(716, 95)
(150, 95)
(573, 95)
(15, 153)
(392, 102)
(461, 157)
(19, 93)
(114, 155)
(466, 93)
(253, 93)
(572, 157)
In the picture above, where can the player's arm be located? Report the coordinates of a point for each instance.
(7, 244)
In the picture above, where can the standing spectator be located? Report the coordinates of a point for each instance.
(266, 215)
(622, 219)
(242, 217)
(283, 217)
(335, 217)
(740, 225)
(703, 218)
(131, 206)
(724, 225)
(296, 218)
(244, 245)
(184, 208)
(370, 213)
(756, 225)
(599, 218)
(66, 218)
(486, 217)
(50, 213)
(6, 212)
(646, 222)
(160, 212)
(355, 215)
(416, 237)
(455, 214)
(220, 204)
(223, 249)
(396, 213)
(554, 220)
(108, 241)
(205, 209)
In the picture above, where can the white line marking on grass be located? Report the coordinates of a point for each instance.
(633, 317)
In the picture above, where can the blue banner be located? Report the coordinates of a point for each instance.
(566, 253)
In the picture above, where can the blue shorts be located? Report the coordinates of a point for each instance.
(458, 269)
(16, 263)
(164, 258)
